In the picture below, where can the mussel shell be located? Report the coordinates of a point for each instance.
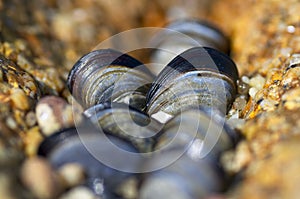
(202, 76)
(93, 78)
(184, 179)
(192, 175)
(68, 146)
(126, 122)
(207, 34)
(181, 35)
(201, 131)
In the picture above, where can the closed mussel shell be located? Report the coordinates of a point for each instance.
(200, 131)
(194, 139)
(181, 35)
(93, 151)
(126, 122)
(184, 179)
(108, 75)
(198, 76)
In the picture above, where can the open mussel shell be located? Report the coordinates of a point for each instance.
(108, 75)
(93, 151)
(198, 76)
(181, 35)
(125, 122)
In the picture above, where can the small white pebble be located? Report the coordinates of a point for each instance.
(245, 79)
(252, 92)
(11, 123)
(47, 119)
(268, 104)
(79, 193)
(257, 81)
(286, 51)
(235, 115)
(291, 29)
(72, 174)
(295, 59)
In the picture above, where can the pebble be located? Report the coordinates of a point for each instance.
(294, 60)
(252, 92)
(18, 79)
(50, 81)
(32, 140)
(72, 174)
(257, 82)
(291, 78)
(239, 103)
(19, 99)
(234, 161)
(291, 99)
(245, 79)
(38, 176)
(129, 189)
(11, 123)
(79, 193)
(30, 119)
(268, 104)
(54, 113)
(243, 87)
(5, 187)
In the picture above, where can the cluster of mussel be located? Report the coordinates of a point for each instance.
(126, 132)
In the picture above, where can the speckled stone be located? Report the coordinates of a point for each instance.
(54, 113)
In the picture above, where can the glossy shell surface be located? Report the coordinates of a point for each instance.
(182, 35)
(197, 77)
(197, 137)
(82, 145)
(108, 75)
(125, 122)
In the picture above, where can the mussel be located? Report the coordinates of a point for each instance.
(109, 76)
(197, 77)
(194, 139)
(181, 35)
(201, 124)
(126, 122)
(102, 156)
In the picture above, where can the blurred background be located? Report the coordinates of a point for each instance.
(61, 31)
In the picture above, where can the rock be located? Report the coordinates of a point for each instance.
(38, 176)
(72, 174)
(19, 99)
(54, 113)
(79, 193)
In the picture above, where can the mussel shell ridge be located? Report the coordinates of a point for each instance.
(181, 35)
(202, 125)
(93, 77)
(126, 122)
(203, 74)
